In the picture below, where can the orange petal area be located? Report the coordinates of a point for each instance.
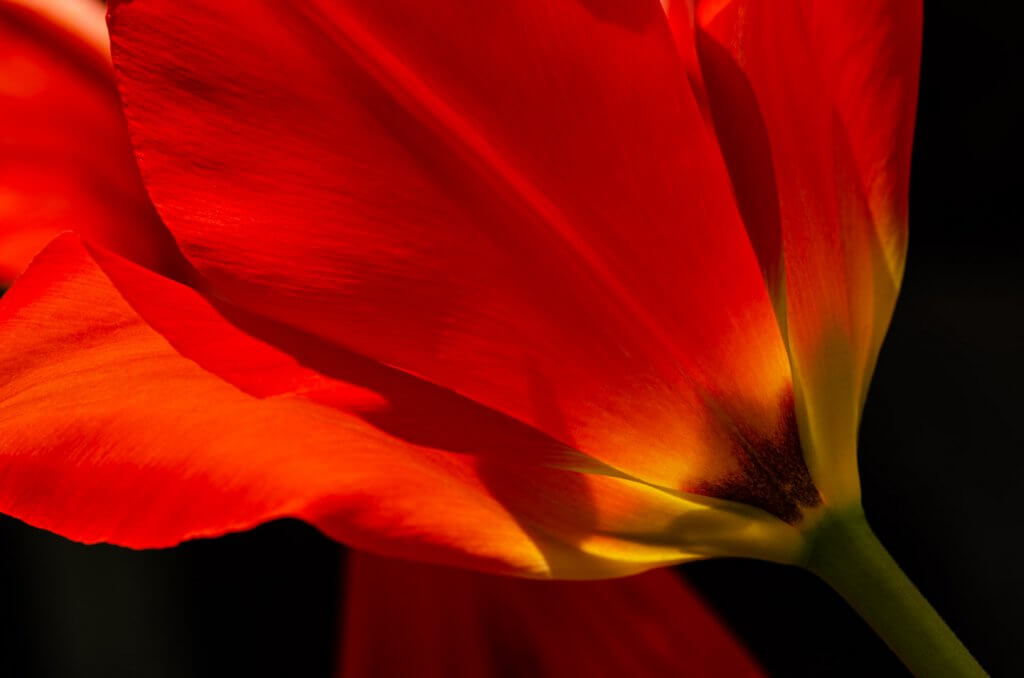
(405, 619)
(517, 202)
(65, 160)
(108, 434)
(813, 103)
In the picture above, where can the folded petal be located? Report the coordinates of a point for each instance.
(108, 434)
(515, 201)
(65, 160)
(813, 103)
(409, 619)
(680, 14)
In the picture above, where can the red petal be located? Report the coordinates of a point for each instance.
(681, 20)
(870, 56)
(107, 433)
(65, 161)
(405, 619)
(814, 104)
(516, 201)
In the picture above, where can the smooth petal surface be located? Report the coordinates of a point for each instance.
(406, 619)
(108, 434)
(65, 160)
(518, 202)
(813, 103)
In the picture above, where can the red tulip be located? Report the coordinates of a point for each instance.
(555, 289)
(60, 88)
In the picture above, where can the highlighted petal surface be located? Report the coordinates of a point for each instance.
(145, 447)
(518, 202)
(412, 619)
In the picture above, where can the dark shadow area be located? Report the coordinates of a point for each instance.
(634, 16)
(262, 603)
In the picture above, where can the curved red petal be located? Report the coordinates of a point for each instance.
(108, 434)
(813, 103)
(871, 57)
(517, 202)
(65, 160)
(409, 619)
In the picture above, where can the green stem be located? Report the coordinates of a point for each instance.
(848, 556)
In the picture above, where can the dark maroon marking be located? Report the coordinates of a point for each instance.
(772, 473)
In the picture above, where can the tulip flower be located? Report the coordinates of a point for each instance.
(562, 289)
(57, 83)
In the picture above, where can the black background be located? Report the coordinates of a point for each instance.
(941, 459)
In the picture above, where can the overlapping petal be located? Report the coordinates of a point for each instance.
(480, 285)
(65, 160)
(813, 103)
(412, 619)
(145, 447)
(517, 202)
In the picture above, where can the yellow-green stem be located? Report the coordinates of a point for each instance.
(845, 553)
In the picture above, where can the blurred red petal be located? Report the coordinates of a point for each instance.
(518, 202)
(405, 619)
(813, 103)
(65, 160)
